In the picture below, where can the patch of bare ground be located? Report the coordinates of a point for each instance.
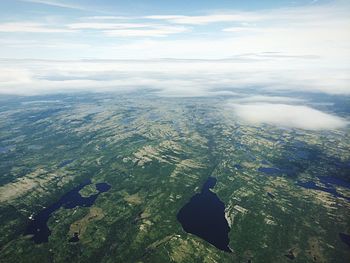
(315, 250)
(79, 227)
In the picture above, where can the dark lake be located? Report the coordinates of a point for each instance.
(204, 216)
(329, 180)
(38, 226)
(314, 186)
(345, 238)
(328, 187)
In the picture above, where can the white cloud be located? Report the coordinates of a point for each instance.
(292, 49)
(284, 115)
(130, 29)
(55, 3)
(169, 77)
(96, 26)
(31, 27)
(109, 29)
(241, 29)
(158, 31)
(320, 31)
(287, 16)
(107, 18)
(270, 99)
(207, 19)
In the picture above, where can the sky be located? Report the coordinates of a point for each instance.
(176, 48)
(106, 29)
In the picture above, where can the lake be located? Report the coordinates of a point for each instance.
(328, 187)
(204, 216)
(38, 225)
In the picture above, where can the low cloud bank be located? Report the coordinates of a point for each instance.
(181, 78)
(272, 99)
(291, 116)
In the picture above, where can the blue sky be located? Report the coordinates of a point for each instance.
(143, 7)
(66, 29)
(185, 48)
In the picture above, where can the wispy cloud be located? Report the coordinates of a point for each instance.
(31, 27)
(158, 31)
(108, 29)
(107, 18)
(102, 26)
(130, 29)
(207, 19)
(307, 13)
(55, 4)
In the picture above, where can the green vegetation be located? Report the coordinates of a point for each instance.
(156, 153)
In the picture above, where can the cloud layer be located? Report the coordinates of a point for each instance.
(292, 48)
(291, 116)
(168, 77)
